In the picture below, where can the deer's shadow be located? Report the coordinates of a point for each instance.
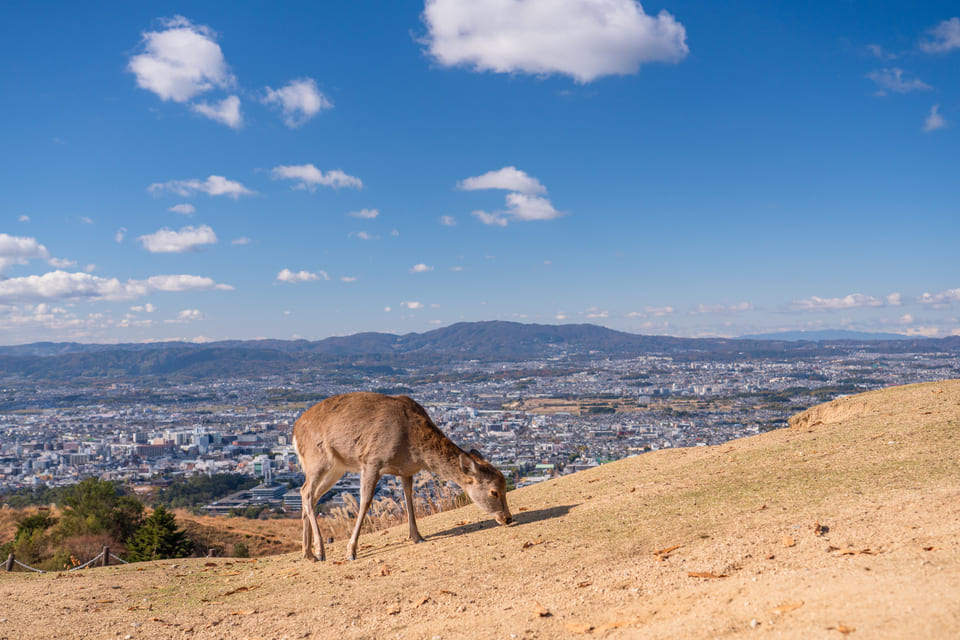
(519, 519)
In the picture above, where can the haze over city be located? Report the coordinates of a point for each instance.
(209, 172)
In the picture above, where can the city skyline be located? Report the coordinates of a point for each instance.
(207, 173)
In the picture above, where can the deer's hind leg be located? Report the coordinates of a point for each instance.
(316, 484)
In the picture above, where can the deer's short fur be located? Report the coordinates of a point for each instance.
(376, 435)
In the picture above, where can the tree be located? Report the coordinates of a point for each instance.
(159, 538)
(94, 506)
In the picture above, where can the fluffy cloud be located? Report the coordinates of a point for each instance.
(227, 111)
(448, 221)
(934, 120)
(508, 179)
(298, 101)
(520, 206)
(893, 80)
(308, 177)
(187, 315)
(421, 268)
(287, 275)
(412, 304)
(19, 250)
(852, 301)
(942, 38)
(186, 239)
(120, 234)
(367, 214)
(181, 61)
(213, 186)
(185, 209)
(940, 300)
(363, 235)
(63, 285)
(584, 39)
(524, 202)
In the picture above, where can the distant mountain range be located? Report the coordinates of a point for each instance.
(835, 334)
(486, 341)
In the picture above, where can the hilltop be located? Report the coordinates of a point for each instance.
(845, 524)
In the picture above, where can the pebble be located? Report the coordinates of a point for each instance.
(754, 623)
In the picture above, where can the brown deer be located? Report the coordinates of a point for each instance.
(376, 435)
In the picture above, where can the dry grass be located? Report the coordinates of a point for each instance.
(838, 526)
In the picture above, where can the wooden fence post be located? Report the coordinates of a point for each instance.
(105, 560)
(211, 552)
(9, 565)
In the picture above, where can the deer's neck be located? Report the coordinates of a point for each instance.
(442, 457)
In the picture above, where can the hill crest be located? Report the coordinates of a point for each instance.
(847, 520)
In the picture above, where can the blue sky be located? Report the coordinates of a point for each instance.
(300, 170)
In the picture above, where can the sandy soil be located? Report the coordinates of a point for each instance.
(845, 525)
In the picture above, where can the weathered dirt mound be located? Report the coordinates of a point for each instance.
(833, 528)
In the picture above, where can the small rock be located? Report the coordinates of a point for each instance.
(754, 623)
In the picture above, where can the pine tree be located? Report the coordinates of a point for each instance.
(159, 538)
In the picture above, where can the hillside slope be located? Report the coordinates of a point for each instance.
(847, 523)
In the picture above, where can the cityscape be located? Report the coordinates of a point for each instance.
(534, 419)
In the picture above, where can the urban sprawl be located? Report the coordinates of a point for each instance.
(533, 419)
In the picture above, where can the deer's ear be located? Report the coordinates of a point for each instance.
(467, 465)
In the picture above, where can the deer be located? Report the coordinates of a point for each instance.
(378, 435)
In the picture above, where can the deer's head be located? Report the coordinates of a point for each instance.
(486, 486)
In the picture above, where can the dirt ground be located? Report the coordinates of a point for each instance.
(845, 525)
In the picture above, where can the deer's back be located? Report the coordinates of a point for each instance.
(360, 427)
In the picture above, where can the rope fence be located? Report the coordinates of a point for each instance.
(102, 559)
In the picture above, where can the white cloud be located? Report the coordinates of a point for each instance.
(524, 202)
(240, 241)
(420, 268)
(227, 111)
(448, 221)
(656, 312)
(181, 61)
(187, 315)
(584, 39)
(186, 239)
(520, 206)
(722, 309)
(309, 177)
(19, 250)
(852, 301)
(185, 209)
(286, 275)
(880, 52)
(940, 300)
(507, 178)
(942, 38)
(595, 313)
(120, 234)
(59, 263)
(23, 218)
(299, 101)
(412, 304)
(490, 218)
(894, 300)
(144, 308)
(348, 279)
(213, 186)
(893, 80)
(367, 214)
(86, 220)
(63, 285)
(363, 235)
(934, 120)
